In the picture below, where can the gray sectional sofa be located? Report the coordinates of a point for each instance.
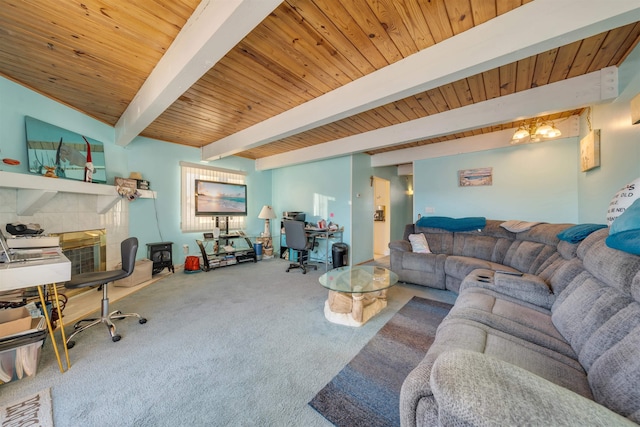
(557, 345)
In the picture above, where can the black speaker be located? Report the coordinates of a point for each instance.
(161, 254)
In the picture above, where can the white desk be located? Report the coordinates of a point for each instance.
(20, 275)
(325, 234)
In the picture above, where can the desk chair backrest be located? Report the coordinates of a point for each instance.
(128, 250)
(295, 235)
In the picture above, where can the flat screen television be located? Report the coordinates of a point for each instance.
(214, 198)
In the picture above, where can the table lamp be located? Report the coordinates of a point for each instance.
(267, 213)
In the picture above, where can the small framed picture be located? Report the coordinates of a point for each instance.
(475, 177)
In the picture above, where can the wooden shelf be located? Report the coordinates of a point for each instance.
(34, 191)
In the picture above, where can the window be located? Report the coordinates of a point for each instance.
(189, 222)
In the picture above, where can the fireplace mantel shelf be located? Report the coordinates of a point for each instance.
(35, 191)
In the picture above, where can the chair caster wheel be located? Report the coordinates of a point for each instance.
(142, 321)
(70, 344)
(116, 338)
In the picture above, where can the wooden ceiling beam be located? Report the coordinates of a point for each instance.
(592, 88)
(536, 27)
(214, 29)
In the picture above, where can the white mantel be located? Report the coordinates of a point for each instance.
(35, 191)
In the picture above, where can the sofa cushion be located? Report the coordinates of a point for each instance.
(550, 266)
(457, 333)
(473, 246)
(474, 389)
(523, 254)
(590, 240)
(440, 241)
(567, 250)
(528, 288)
(420, 262)
(614, 377)
(611, 266)
(565, 272)
(460, 266)
(426, 269)
(510, 316)
(635, 287)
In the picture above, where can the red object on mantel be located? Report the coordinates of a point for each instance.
(11, 162)
(88, 168)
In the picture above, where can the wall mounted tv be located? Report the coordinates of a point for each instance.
(214, 198)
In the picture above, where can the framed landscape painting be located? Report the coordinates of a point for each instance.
(475, 177)
(58, 153)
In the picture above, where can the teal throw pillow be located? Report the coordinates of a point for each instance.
(624, 234)
(579, 232)
(626, 241)
(628, 220)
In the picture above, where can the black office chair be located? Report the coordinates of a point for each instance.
(297, 240)
(205, 258)
(128, 248)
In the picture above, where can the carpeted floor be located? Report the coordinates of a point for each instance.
(246, 345)
(366, 392)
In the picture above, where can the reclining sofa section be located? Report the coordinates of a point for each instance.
(557, 345)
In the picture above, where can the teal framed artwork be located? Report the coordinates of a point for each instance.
(59, 153)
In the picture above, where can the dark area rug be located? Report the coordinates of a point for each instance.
(367, 391)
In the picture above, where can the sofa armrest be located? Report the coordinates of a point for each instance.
(528, 288)
(474, 389)
(400, 245)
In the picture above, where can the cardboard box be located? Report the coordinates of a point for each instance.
(14, 320)
(141, 273)
(126, 182)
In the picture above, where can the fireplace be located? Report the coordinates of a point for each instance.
(85, 249)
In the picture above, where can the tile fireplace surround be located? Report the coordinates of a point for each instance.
(72, 212)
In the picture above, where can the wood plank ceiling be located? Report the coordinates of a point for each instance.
(95, 55)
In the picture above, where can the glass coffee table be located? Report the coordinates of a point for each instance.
(357, 293)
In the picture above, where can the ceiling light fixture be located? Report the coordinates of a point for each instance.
(535, 131)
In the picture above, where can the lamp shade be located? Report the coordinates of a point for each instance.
(267, 213)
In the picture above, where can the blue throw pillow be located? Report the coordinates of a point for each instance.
(453, 224)
(579, 232)
(626, 241)
(628, 220)
(624, 234)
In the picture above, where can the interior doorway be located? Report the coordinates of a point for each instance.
(381, 217)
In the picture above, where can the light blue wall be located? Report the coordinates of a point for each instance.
(543, 181)
(536, 182)
(401, 202)
(317, 189)
(619, 146)
(159, 220)
(363, 205)
(362, 209)
(149, 220)
(16, 102)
